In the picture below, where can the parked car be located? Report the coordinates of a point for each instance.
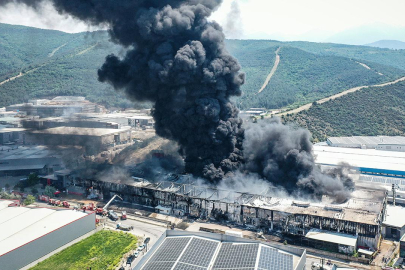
(147, 239)
(112, 215)
(136, 254)
(130, 259)
(141, 247)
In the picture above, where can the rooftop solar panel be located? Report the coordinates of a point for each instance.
(272, 259)
(158, 266)
(199, 252)
(170, 249)
(183, 266)
(236, 256)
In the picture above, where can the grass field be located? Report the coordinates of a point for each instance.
(102, 250)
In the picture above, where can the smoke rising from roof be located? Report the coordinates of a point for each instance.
(177, 60)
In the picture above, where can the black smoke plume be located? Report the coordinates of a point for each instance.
(177, 60)
(283, 155)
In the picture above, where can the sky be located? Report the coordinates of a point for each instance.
(310, 20)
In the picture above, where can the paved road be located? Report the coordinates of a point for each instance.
(307, 106)
(141, 229)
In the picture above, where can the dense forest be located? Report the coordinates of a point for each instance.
(370, 111)
(54, 63)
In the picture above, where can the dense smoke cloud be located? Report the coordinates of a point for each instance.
(177, 60)
(283, 156)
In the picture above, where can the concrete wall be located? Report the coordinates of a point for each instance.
(40, 247)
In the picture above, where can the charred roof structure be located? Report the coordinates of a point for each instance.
(362, 215)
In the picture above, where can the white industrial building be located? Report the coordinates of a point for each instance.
(387, 143)
(366, 161)
(27, 234)
(190, 250)
(394, 222)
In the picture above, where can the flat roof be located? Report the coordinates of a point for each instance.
(5, 130)
(24, 152)
(20, 225)
(360, 158)
(367, 140)
(81, 131)
(332, 237)
(395, 216)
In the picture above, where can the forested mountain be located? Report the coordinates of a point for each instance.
(370, 111)
(388, 44)
(52, 63)
(301, 76)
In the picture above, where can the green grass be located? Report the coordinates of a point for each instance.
(102, 250)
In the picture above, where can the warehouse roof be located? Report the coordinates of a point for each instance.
(186, 250)
(360, 158)
(81, 131)
(366, 140)
(332, 237)
(20, 225)
(395, 216)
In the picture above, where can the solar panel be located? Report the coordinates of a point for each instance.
(199, 252)
(170, 250)
(236, 256)
(158, 266)
(183, 266)
(272, 259)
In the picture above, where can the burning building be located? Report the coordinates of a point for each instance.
(360, 217)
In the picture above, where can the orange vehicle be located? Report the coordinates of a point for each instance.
(65, 204)
(57, 203)
(52, 201)
(124, 215)
(43, 198)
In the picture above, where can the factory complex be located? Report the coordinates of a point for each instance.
(28, 234)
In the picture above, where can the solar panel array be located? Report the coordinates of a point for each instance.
(272, 259)
(236, 256)
(199, 252)
(173, 254)
(167, 254)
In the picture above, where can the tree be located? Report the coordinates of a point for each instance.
(29, 200)
(33, 179)
(34, 191)
(7, 186)
(50, 191)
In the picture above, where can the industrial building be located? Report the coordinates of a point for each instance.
(394, 222)
(26, 159)
(186, 250)
(361, 216)
(27, 234)
(365, 161)
(387, 143)
(58, 106)
(94, 139)
(12, 136)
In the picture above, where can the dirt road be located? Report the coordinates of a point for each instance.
(351, 90)
(273, 70)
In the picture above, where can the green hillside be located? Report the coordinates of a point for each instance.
(301, 77)
(56, 63)
(370, 111)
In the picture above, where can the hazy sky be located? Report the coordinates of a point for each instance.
(313, 20)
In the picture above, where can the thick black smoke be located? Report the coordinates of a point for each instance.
(177, 60)
(283, 155)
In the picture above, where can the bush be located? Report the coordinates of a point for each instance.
(29, 200)
(50, 191)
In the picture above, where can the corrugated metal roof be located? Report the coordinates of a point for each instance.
(361, 158)
(332, 237)
(366, 140)
(395, 216)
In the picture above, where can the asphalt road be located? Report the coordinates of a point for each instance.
(141, 229)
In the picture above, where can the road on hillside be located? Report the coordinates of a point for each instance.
(273, 70)
(351, 90)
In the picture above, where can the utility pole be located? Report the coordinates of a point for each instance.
(394, 195)
(322, 262)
